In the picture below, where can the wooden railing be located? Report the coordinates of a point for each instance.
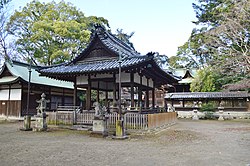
(68, 108)
(133, 121)
(85, 118)
(57, 118)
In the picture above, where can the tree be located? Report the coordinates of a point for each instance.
(3, 32)
(205, 81)
(51, 32)
(161, 60)
(195, 52)
(3, 3)
(221, 39)
(176, 62)
(231, 38)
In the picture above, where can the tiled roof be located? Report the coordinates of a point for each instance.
(115, 44)
(111, 42)
(83, 64)
(182, 72)
(20, 70)
(95, 66)
(204, 95)
(186, 80)
(8, 79)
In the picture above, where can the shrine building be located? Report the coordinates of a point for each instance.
(97, 69)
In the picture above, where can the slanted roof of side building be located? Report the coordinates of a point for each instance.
(15, 71)
(207, 95)
(186, 75)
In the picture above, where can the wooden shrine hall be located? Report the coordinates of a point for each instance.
(97, 68)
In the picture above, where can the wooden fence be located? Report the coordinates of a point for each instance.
(133, 121)
(157, 120)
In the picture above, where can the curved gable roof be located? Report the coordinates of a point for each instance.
(110, 42)
(20, 70)
(102, 55)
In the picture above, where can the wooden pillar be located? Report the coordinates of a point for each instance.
(147, 98)
(106, 95)
(139, 96)
(98, 91)
(132, 89)
(21, 106)
(63, 97)
(75, 92)
(153, 95)
(114, 88)
(140, 93)
(8, 103)
(88, 97)
(147, 94)
(232, 104)
(48, 95)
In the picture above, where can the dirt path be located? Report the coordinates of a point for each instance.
(186, 143)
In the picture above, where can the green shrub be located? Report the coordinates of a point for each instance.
(208, 109)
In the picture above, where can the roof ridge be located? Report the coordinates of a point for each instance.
(121, 43)
(116, 40)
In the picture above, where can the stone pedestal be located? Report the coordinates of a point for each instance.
(41, 124)
(195, 115)
(26, 123)
(99, 127)
(221, 113)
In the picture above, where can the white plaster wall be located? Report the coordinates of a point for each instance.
(136, 78)
(4, 94)
(226, 115)
(151, 83)
(125, 77)
(15, 94)
(81, 80)
(144, 81)
(103, 76)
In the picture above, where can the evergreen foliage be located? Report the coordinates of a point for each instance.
(51, 32)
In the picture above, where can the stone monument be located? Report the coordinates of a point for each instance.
(100, 120)
(221, 110)
(170, 108)
(41, 124)
(195, 111)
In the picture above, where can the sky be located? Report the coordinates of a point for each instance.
(159, 25)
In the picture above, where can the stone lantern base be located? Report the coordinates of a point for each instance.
(99, 128)
(41, 124)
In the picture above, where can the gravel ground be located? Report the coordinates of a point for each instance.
(188, 143)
